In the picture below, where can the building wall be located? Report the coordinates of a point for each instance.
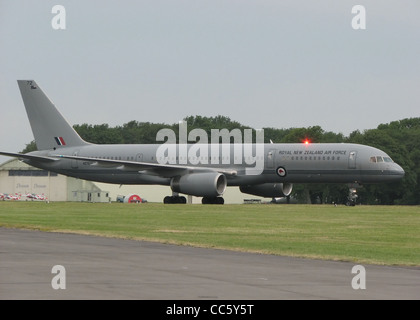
(54, 187)
(26, 179)
(17, 177)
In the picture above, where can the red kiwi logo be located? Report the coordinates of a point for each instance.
(281, 172)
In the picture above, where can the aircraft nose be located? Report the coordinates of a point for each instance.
(398, 171)
(401, 171)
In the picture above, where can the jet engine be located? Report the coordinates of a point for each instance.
(208, 184)
(268, 190)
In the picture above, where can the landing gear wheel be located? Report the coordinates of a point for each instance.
(216, 200)
(174, 199)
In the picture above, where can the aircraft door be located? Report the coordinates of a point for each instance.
(270, 159)
(352, 160)
(74, 163)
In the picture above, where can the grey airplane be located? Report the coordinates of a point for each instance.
(62, 150)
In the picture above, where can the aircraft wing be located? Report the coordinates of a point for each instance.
(29, 157)
(165, 170)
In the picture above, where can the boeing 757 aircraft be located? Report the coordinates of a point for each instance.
(266, 170)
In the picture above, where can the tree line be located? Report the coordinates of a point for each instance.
(399, 139)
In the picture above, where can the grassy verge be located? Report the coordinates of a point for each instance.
(388, 235)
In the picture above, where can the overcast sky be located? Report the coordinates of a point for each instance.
(264, 63)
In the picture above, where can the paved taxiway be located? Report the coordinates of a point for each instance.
(105, 268)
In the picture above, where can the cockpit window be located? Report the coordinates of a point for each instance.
(377, 159)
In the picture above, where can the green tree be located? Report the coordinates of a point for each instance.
(31, 146)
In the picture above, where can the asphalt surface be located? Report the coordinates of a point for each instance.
(106, 268)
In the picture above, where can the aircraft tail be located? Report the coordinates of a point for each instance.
(49, 127)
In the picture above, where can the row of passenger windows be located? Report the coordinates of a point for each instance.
(372, 159)
(380, 159)
(177, 158)
(315, 158)
(207, 158)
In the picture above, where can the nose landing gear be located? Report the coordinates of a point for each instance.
(352, 197)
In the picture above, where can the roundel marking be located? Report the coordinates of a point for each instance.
(281, 172)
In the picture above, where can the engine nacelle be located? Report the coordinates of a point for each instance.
(268, 190)
(209, 184)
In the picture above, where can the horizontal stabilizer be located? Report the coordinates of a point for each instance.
(28, 157)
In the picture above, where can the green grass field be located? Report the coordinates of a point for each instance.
(388, 235)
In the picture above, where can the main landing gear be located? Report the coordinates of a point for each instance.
(175, 199)
(181, 199)
(216, 200)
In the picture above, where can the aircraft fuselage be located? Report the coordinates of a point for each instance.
(282, 163)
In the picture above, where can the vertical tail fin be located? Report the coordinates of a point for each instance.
(49, 127)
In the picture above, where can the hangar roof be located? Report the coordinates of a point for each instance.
(15, 164)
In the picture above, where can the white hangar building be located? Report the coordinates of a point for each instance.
(17, 177)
